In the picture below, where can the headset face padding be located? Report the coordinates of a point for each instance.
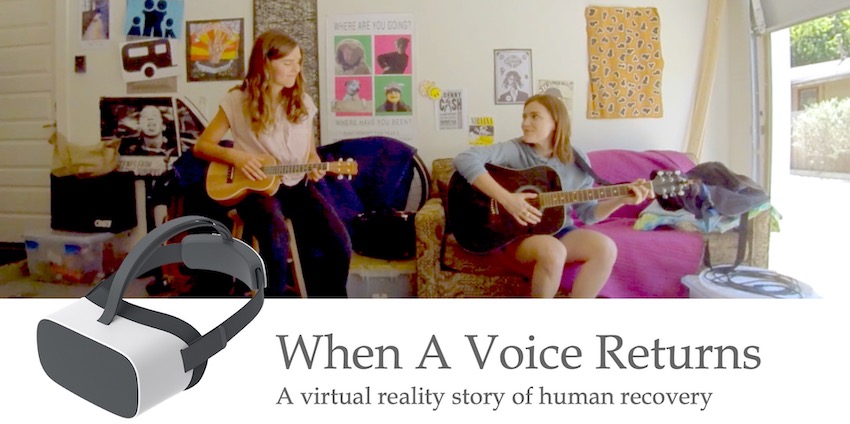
(125, 358)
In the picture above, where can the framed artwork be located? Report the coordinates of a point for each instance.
(512, 76)
(215, 50)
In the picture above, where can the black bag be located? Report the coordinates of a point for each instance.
(715, 190)
(106, 203)
(386, 234)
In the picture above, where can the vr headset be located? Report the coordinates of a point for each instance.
(126, 359)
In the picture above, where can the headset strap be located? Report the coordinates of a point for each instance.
(199, 351)
(150, 254)
(146, 247)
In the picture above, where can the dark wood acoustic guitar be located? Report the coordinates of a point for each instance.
(228, 186)
(480, 224)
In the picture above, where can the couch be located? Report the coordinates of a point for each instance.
(649, 263)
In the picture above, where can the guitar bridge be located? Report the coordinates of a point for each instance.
(494, 207)
(230, 171)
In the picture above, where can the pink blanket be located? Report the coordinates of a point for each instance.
(649, 263)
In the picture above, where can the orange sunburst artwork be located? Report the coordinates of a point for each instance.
(214, 42)
(215, 50)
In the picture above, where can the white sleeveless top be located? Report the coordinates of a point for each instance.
(289, 143)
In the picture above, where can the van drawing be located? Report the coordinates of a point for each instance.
(148, 57)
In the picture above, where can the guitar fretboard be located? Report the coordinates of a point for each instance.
(294, 169)
(558, 198)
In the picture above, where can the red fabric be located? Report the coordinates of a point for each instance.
(649, 263)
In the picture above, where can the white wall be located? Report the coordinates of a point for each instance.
(728, 135)
(454, 42)
(454, 47)
(78, 95)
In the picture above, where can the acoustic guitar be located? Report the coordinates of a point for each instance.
(228, 186)
(480, 224)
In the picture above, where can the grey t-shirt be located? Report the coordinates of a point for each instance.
(515, 154)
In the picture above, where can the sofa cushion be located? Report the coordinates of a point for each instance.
(441, 172)
(458, 259)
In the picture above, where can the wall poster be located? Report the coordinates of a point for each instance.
(370, 77)
(95, 23)
(512, 76)
(214, 50)
(146, 130)
(153, 18)
(560, 89)
(450, 109)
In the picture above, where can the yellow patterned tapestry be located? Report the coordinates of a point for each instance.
(624, 61)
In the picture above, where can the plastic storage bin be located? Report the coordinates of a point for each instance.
(746, 282)
(66, 257)
(372, 277)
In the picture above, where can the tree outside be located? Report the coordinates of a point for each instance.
(820, 132)
(821, 40)
(820, 137)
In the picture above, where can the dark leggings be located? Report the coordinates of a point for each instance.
(323, 242)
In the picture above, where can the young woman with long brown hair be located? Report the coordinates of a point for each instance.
(546, 141)
(270, 114)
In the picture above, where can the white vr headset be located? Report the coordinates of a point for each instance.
(125, 358)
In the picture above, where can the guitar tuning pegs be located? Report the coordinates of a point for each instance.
(349, 177)
(339, 177)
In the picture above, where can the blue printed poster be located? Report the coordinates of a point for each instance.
(154, 18)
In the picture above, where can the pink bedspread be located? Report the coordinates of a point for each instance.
(649, 263)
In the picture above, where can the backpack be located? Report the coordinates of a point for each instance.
(715, 190)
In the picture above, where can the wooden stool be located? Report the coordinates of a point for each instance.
(293, 260)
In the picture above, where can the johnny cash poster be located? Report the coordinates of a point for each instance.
(369, 66)
(451, 110)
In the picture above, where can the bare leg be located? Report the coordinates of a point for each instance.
(598, 252)
(543, 257)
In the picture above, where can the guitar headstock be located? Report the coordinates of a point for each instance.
(669, 183)
(343, 167)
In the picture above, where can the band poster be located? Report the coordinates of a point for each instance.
(369, 71)
(451, 110)
(560, 89)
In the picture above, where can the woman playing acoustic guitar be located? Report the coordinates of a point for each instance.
(546, 141)
(270, 114)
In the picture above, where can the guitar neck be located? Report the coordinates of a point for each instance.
(558, 198)
(294, 169)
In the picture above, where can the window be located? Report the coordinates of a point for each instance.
(807, 96)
